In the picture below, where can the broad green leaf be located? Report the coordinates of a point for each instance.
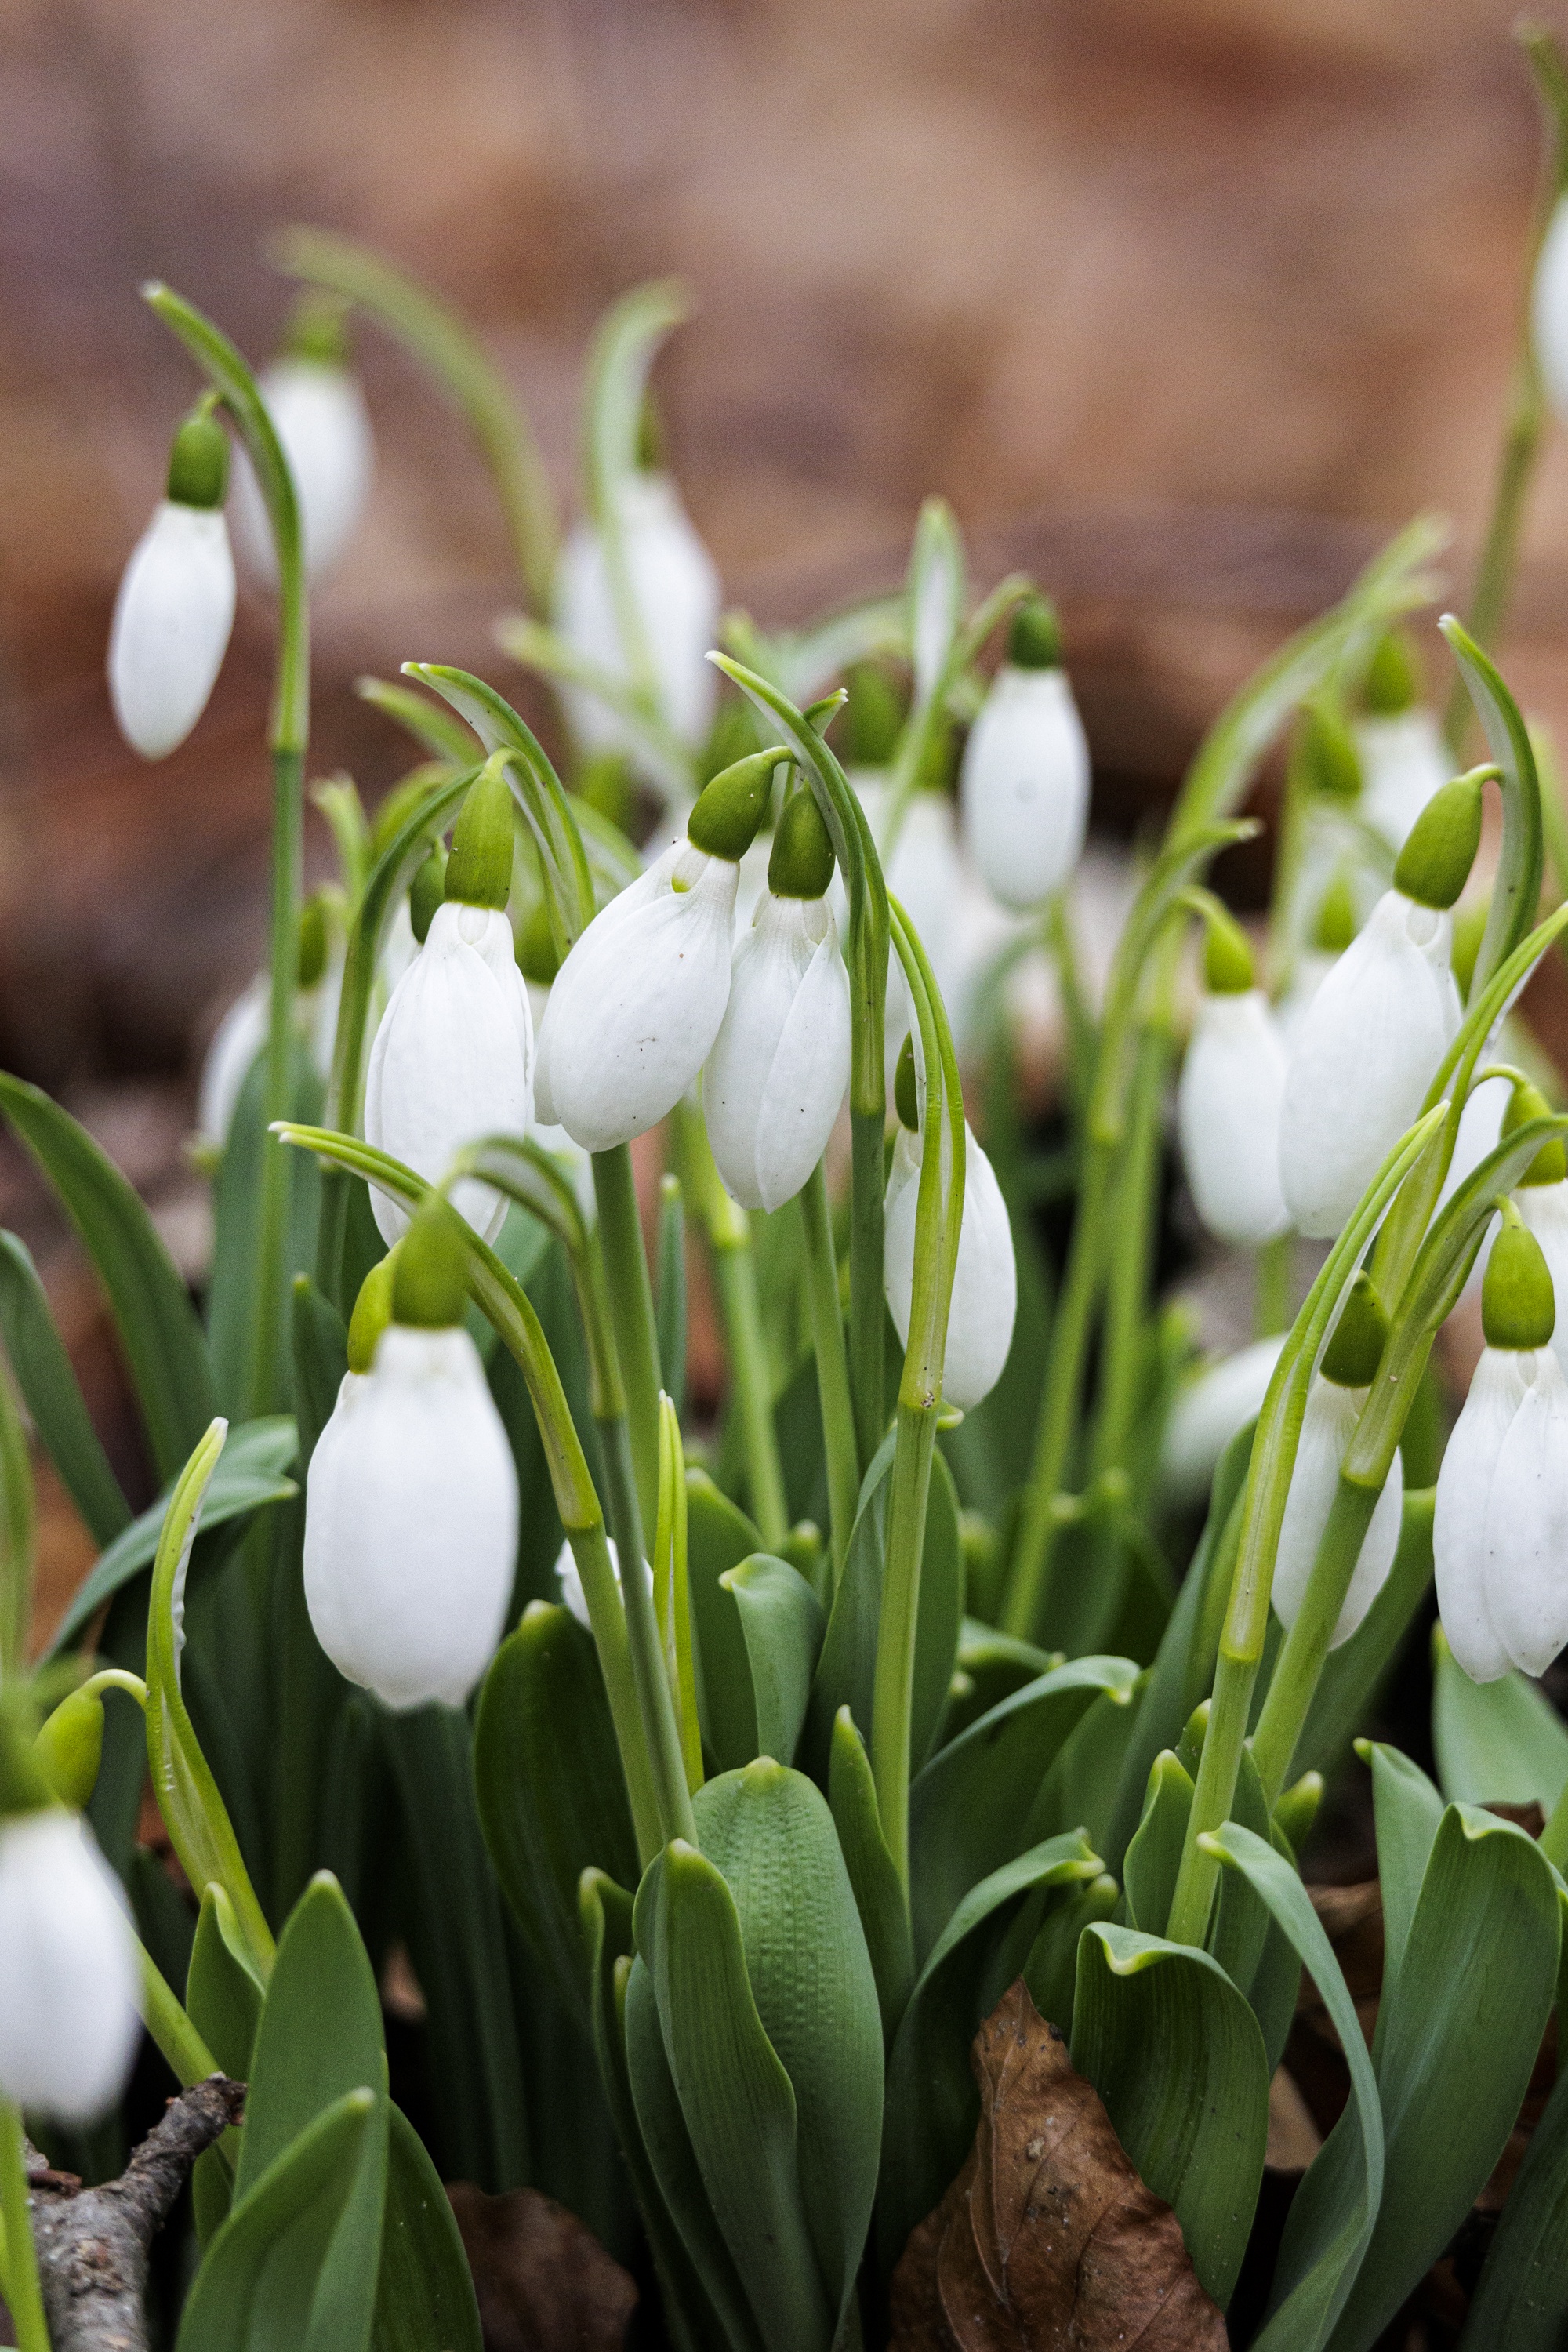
(260, 2285)
(1175, 2054)
(965, 1815)
(222, 2000)
(53, 1396)
(551, 1799)
(164, 1351)
(990, 1668)
(1496, 1743)
(232, 1297)
(1459, 2035)
(1352, 1674)
(425, 2295)
(1335, 2208)
(873, 1875)
(931, 2103)
(1406, 1809)
(1522, 2296)
(1079, 1790)
(770, 1833)
(766, 1670)
(719, 1536)
(248, 1477)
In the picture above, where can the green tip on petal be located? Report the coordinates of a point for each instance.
(429, 1281)
(1227, 959)
(801, 864)
(1469, 930)
(1329, 761)
(1336, 925)
(318, 329)
(729, 811)
(426, 892)
(1394, 679)
(198, 460)
(1550, 1165)
(1435, 864)
(1517, 1307)
(537, 959)
(70, 1748)
(906, 1094)
(311, 960)
(1035, 638)
(373, 1312)
(875, 717)
(479, 871)
(1353, 1353)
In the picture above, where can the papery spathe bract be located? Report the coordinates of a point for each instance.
(171, 629)
(1327, 1427)
(1227, 1116)
(1404, 762)
(318, 415)
(635, 1007)
(452, 1060)
(986, 1278)
(780, 1065)
(411, 1521)
(68, 1971)
(1025, 785)
(1365, 1055)
(676, 591)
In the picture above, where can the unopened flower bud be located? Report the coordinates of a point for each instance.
(70, 1748)
(676, 594)
(175, 606)
(1025, 775)
(1435, 864)
(1328, 1425)
(68, 2025)
(1517, 1307)
(730, 809)
(986, 1278)
(479, 871)
(318, 415)
(1228, 1102)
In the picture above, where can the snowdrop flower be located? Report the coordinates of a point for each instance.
(241, 1035)
(1334, 929)
(1226, 1395)
(1404, 758)
(69, 1971)
(637, 1005)
(1549, 309)
(1334, 1402)
(1542, 1198)
(986, 1278)
(780, 1063)
(1499, 1532)
(453, 1057)
(1227, 1105)
(1024, 779)
(675, 594)
(318, 415)
(175, 606)
(411, 1506)
(1369, 1046)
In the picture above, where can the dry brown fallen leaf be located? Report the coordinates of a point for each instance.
(544, 2282)
(1047, 2241)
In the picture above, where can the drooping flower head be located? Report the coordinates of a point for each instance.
(1334, 1402)
(1228, 1101)
(318, 415)
(675, 597)
(986, 1278)
(1404, 761)
(1025, 783)
(175, 606)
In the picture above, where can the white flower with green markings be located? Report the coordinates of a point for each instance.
(1334, 1402)
(675, 596)
(1025, 775)
(68, 1969)
(175, 606)
(1229, 1097)
(984, 1302)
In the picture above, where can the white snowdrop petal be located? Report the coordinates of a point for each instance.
(68, 1971)
(239, 1036)
(1326, 1429)
(1365, 1055)
(411, 1522)
(1403, 760)
(677, 592)
(1525, 1536)
(985, 1282)
(780, 1063)
(1225, 1396)
(1227, 1118)
(318, 415)
(1025, 785)
(1459, 1517)
(1549, 309)
(171, 629)
(807, 1078)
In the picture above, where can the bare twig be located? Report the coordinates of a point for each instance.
(92, 2242)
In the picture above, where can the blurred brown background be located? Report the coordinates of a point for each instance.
(1182, 302)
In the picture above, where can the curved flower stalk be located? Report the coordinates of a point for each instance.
(411, 1503)
(318, 415)
(1228, 1101)
(1334, 1401)
(454, 1053)
(1024, 779)
(175, 606)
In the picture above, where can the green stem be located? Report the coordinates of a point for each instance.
(832, 1366)
(735, 1275)
(632, 1314)
(1300, 1662)
(893, 1690)
(1212, 1798)
(1554, 1836)
(189, 2059)
(23, 2293)
(655, 1705)
(1275, 1266)
(867, 1300)
(1127, 1274)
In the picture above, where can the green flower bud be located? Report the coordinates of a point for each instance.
(1336, 925)
(373, 1312)
(877, 709)
(479, 871)
(70, 1748)
(1227, 959)
(801, 866)
(198, 460)
(426, 892)
(1469, 930)
(429, 1282)
(1035, 638)
(537, 956)
(725, 820)
(311, 961)
(318, 329)
(1394, 678)
(24, 1785)
(1329, 762)
(905, 1096)
(1435, 864)
(1518, 1306)
(1355, 1350)
(1550, 1165)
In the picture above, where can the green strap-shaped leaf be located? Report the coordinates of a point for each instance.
(1461, 2032)
(425, 2292)
(1496, 1743)
(932, 2101)
(1079, 1790)
(719, 1536)
(320, 1361)
(1406, 1808)
(1351, 1672)
(873, 1875)
(257, 2290)
(223, 1993)
(232, 1296)
(165, 1353)
(1522, 2296)
(1516, 887)
(1154, 1857)
(552, 1802)
(53, 1395)
(966, 1811)
(1176, 2055)
(249, 1476)
(779, 1626)
(990, 1668)
(1336, 2206)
